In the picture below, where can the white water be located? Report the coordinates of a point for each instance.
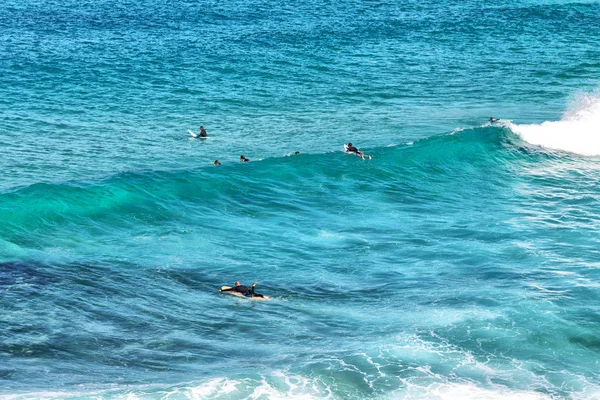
(577, 132)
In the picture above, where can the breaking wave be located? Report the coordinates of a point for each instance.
(577, 132)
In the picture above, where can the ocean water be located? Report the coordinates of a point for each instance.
(461, 262)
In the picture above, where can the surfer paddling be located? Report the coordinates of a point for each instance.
(350, 149)
(243, 159)
(492, 119)
(243, 290)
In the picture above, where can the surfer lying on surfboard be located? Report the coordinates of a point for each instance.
(350, 149)
(243, 290)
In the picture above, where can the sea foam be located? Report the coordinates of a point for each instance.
(577, 132)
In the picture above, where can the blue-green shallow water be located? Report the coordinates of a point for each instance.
(462, 261)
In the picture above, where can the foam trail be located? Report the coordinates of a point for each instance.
(577, 132)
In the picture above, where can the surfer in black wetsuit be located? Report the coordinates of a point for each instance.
(352, 149)
(202, 132)
(244, 290)
(243, 159)
(492, 119)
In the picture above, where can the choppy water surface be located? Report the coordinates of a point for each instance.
(461, 261)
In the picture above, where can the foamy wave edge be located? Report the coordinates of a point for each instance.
(577, 132)
(281, 386)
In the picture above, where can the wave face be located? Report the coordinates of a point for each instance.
(461, 261)
(445, 267)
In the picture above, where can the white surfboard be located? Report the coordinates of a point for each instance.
(236, 294)
(196, 135)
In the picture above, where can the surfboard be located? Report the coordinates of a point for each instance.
(236, 294)
(197, 135)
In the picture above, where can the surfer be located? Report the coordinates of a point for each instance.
(202, 132)
(352, 149)
(217, 162)
(492, 119)
(243, 159)
(244, 290)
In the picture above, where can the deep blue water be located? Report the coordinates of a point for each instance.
(461, 261)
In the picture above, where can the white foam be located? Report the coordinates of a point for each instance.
(214, 387)
(451, 391)
(577, 132)
(280, 386)
(277, 386)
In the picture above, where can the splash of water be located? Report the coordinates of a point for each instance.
(577, 132)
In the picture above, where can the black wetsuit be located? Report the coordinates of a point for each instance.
(352, 149)
(244, 290)
(202, 133)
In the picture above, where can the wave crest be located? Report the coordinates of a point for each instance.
(577, 132)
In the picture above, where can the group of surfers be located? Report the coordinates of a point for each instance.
(249, 292)
(349, 148)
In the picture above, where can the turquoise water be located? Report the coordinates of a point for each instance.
(462, 261)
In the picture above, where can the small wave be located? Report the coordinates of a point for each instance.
(276, 386)
(283, 386)
(577, 132)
